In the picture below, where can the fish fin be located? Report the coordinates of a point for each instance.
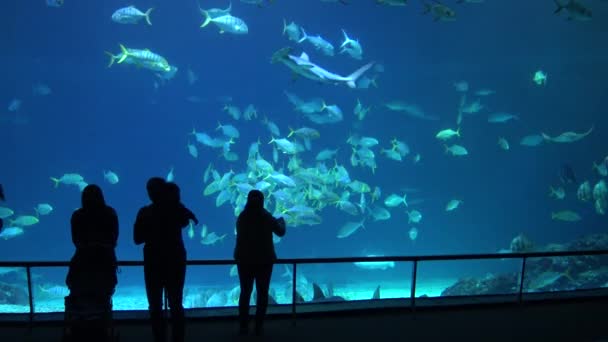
(346, 40)
(125, 54)
(284, 26)
(559, 7)
(207, 19)
(352, 78)
(147, 15)
(112, 58)
(304, 36)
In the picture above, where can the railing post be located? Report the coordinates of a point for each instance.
(521, 281)
(293, 295)
(414, 275)
(28, 273)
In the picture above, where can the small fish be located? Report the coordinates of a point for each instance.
(566, 215)
(170, 176)
(447, 134)
(191, 230)
(394, 200)
(54, 3)
(292, 30)
(392, 2)
(414, 216)
(576, 10)
(14, 105)
(10, 232)
(540, 78)
(413, 233)
(559, 192)
(503, 143)
(131, 15)
(5, 213)
(43, 209)
(485, 92)
(439, 11)
(532, 140)
(501, 117)
(41, 89)
(453, 205)
(192, 150)
(110, 176)
(461, 86)
(24, 221)
(456, 150)
(226, 23)
(601, 168)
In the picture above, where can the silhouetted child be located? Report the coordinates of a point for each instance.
(255, 256)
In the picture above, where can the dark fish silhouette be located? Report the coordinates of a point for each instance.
(566, 174)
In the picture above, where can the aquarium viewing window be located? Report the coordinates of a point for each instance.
(374, 128)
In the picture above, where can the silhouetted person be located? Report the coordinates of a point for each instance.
(159, 225)
(254, 254)
(92, 271)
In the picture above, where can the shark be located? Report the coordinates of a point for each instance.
(302, 65)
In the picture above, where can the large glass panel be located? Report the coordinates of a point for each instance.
(50, 290)
(566, 273)
(14, 297)
(349, 282)
(130, 291)
(468, 277)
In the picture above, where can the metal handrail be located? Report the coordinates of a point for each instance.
(294, 262)
(447, 257)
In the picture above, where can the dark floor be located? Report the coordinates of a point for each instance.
(580, 321)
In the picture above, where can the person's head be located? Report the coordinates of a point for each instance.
(155, 187)
(92, 197)
(172, 192)
(255, 200)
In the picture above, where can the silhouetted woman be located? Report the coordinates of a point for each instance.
(93, 267)
(159, 225)
(254, 254)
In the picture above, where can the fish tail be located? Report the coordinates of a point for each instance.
(374, 83)
(352, 78)
(112, 58)
(346, 39)
(147, 15)
(291, 132)
(284, 26)
(559, 7)
(447, 149)
(304, 36)
(56, 180)
(207, 19)
(125, 54)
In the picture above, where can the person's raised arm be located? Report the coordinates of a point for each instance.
(278, 226)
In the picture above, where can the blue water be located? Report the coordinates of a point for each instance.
(101, 118)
